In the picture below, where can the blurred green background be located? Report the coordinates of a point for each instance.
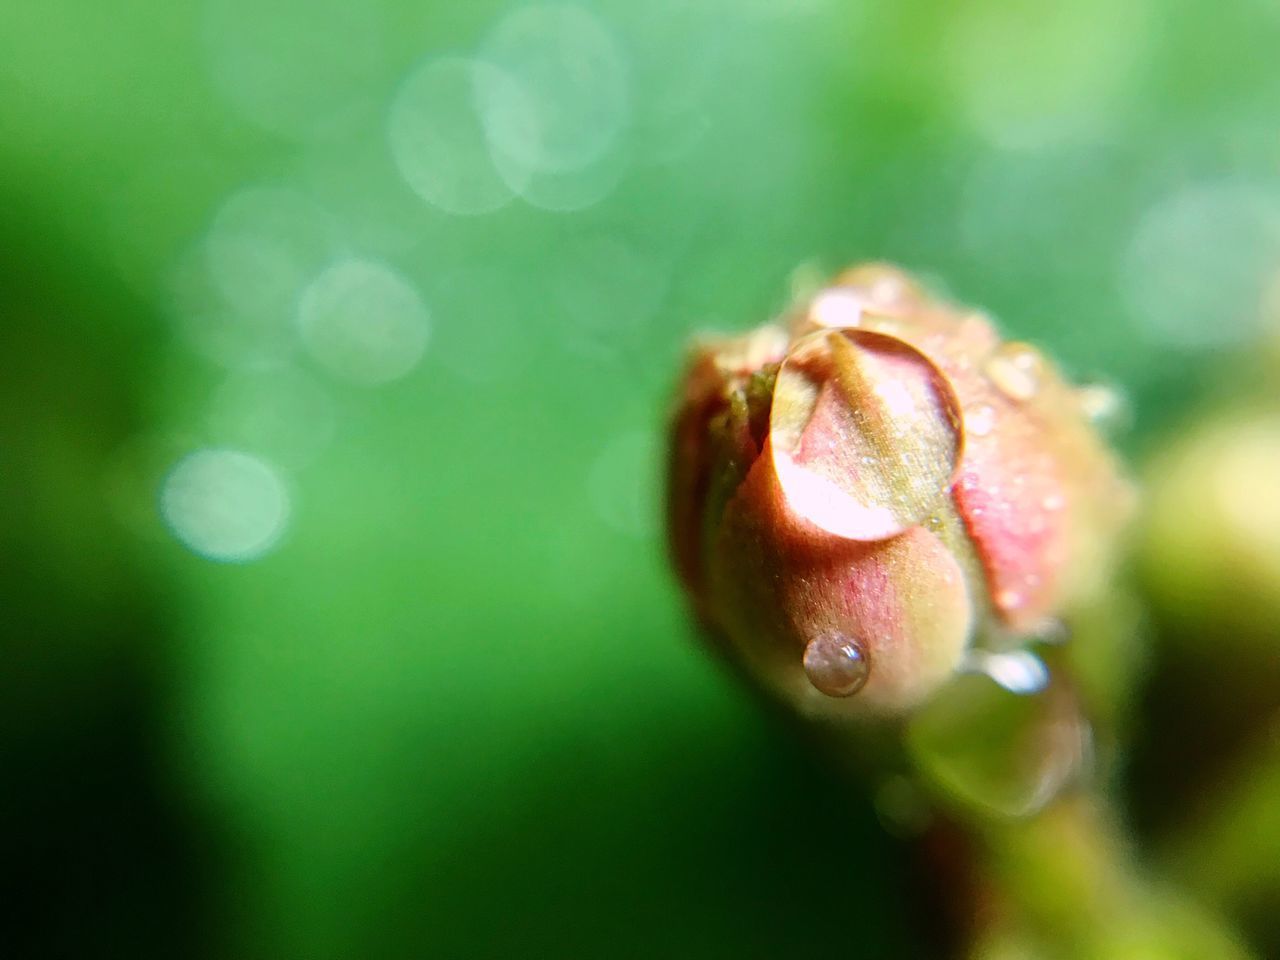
(337, 341)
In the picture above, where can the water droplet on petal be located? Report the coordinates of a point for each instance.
(1016, 370)
(865, 433)
(836, 665)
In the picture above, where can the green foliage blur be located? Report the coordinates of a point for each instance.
(394, 666)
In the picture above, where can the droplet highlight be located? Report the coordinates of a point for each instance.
(1019, 671)
(835, 308)
(865, 433)
(836, 664)
(980, 421)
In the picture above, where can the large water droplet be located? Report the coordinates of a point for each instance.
(997, 751)
(1016, 370)
(836, 664)
(865, 433)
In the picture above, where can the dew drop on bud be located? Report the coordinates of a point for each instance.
(836, 664)
(1016, 370)
(865, 433)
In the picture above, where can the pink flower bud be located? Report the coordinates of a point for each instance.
(857, 499)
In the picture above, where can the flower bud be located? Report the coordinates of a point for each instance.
(859, 492)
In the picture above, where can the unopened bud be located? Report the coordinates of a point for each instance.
(858, 493)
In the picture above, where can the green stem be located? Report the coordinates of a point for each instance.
(1063, 885)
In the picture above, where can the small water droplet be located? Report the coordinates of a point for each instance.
(979, 422)
(1053, 502)
(836, 664)
(1103, 406)
(1016, 370)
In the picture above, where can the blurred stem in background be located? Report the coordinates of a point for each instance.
(102, 847)
(1206, 770)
